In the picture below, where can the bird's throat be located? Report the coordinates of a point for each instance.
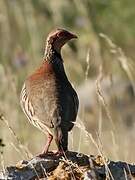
(51, 55)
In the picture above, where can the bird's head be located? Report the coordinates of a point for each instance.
(59, 37)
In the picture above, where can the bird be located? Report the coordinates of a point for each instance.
(47, 98)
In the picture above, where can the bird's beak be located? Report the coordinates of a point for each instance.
(72, 36)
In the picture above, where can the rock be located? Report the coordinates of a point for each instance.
(72, 165)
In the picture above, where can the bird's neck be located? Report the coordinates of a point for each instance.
(51, 55)
(54, 58)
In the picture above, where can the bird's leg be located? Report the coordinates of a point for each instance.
(49, 140)
(58, 137)
(46, 148)
(61, 139)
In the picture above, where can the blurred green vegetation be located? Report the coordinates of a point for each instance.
(24, 26)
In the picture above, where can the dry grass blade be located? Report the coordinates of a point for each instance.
(44, 170)
(104, 159)
(82, 127)
(72, 173)
(38, 178)
(126, 176)
(125, 66)
(17, 150)
(21, 146)
(89, 135)
(2, 162)
(88, 64)
(122, 59)
(101, 97)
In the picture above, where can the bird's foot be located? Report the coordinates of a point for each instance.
(44, 154)
(58, 153)
(51, 153)
(41, 155)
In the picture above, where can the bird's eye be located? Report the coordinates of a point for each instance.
(61, 33)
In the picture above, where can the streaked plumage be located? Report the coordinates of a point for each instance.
(47, 97)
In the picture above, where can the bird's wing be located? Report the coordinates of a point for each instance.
(36, 106)
(26, 104)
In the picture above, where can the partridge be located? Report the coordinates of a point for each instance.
(47, 98)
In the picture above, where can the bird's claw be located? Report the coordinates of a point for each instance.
(51, 153)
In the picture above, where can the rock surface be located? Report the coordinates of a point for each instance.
(72, 165)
